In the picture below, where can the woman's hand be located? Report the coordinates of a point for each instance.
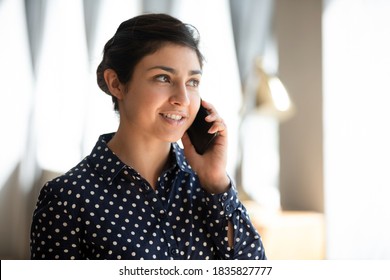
(211, 166)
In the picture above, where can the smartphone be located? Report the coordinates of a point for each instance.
(198, 131)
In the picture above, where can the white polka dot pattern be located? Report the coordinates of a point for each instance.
(103, 209)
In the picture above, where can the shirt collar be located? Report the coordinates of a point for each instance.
(104, 161)
(108, 165)
(181, 161)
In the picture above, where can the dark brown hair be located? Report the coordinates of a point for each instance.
(140, 36)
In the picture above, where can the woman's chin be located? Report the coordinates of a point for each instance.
(172, 138)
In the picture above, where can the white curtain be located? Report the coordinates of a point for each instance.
(51, 110)
(16, 79)
(61, 83)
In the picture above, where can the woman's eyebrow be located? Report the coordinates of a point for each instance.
(173, 71)
(196, 72)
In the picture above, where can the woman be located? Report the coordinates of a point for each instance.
(138, 195)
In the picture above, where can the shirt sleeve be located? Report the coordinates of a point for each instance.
(225, 207)
(54, 229)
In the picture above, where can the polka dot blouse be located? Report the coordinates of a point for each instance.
(104, 209)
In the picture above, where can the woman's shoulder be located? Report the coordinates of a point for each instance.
(77, 178)
(67, 191)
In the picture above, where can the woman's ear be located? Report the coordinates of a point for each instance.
(114, 85)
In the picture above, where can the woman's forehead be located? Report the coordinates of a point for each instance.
(174, 57)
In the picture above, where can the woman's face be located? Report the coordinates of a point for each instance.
(162, 97)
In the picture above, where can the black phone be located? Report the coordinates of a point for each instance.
(198, 131)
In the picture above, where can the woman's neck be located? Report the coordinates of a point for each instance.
(148, 156)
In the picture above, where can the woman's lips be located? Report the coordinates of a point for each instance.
(173, 116)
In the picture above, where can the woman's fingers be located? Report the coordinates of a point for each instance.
(218, 126)
(215, 118)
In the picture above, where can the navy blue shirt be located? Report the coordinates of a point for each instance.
(104, 209)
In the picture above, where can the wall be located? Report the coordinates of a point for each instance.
(334, 59)
(356, 121)
(298, 30)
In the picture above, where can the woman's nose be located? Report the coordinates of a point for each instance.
(180, 95)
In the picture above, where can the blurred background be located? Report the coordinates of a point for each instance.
(303, 86)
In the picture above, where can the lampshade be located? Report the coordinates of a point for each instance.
(272, 98)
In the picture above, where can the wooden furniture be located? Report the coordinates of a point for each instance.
(289, 235)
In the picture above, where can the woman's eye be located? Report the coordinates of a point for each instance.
(193, 83)
(162, 78)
